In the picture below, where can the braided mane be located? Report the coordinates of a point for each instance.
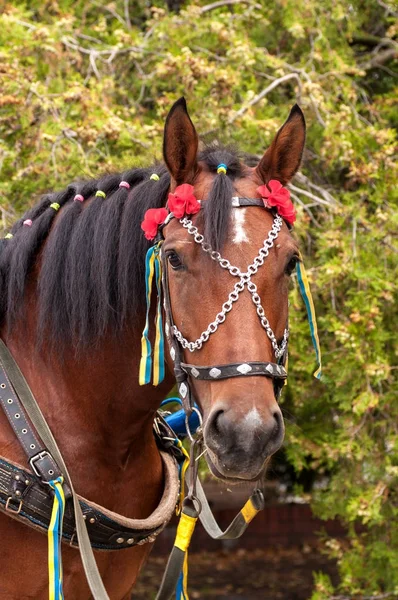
(88, 257)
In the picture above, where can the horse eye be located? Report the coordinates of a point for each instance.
(174, 260)
(291, 265)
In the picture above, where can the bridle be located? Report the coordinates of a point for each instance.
(177, 342)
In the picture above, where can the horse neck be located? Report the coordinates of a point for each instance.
(94, 396)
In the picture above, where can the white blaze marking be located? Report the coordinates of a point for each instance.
(239, 230)
(253, 418)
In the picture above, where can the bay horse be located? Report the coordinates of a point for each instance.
(72, 309)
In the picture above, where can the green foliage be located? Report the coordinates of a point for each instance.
(85, 88)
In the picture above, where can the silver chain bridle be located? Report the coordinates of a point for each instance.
(244, 281)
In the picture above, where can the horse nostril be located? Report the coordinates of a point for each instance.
(215, 424)
(278, 418)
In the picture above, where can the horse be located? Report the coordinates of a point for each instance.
(72, 309)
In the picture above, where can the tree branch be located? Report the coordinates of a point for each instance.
(262, 94)
(306, 208)
(380, 58)
(389, 9)
(221, 3)
(376, 597)
(316, 199)
(308, 79)
(127, 14)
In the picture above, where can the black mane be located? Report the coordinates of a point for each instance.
(90, 271)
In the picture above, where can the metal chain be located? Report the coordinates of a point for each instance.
(244, 280)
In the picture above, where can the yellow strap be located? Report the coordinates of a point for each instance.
(185, 530)
(249, 511)
(185, 577)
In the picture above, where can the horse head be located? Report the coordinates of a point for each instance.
(227, 256)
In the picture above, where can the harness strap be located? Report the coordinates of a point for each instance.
(36, 416)
(240, 523)
(249, 368)
(40, 460)
(176, 352)
(25, 498)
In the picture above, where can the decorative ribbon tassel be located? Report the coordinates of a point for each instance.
(54, 541)
(309, 305)
(153, 267)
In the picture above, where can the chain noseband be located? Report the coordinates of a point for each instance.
(178, 342)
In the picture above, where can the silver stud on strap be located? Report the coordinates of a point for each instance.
(183, 389)
(244, 369)
(194, 372)
(214, 372)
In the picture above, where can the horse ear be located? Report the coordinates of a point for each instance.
(282, 159)
(180, 143)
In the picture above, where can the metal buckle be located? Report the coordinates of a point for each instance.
(13, 510)
(37, 457)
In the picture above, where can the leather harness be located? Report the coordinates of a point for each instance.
(26, 496)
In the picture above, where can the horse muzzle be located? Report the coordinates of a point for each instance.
(238, 447)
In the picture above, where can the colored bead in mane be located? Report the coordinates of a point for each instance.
(100, 194)
(78, 198)
(27, 223)
(124, 184)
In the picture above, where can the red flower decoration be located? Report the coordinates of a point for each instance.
(152, 219)
(279, 197)
(183, 201)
